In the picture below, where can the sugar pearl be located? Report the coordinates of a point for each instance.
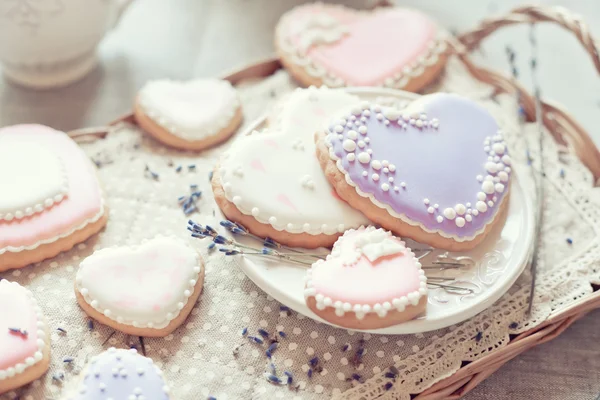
(430, 210)
(364, 157)
(440, 219)
(362, 130)
(499, 187)
(460, 209)
(481, 206)
(375, 177)
(449, 213)
(498, 148)
(385, 187)
(376, 165)
(487, 186)
(351, 157)
(460, 222)
(349, 145)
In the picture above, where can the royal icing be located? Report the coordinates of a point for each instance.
(275, 177)
(120, 374)
(345, 47)
(368, 271)
(145, 286)
(22, 330)
(440, 150)
(33, 178)
(191, 110)
(68, 175)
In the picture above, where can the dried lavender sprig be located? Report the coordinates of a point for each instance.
(542, 174)
(451, 287)
(234, 252)
(238, 229)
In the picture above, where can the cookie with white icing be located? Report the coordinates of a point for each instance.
(370, 280)
(271, 182)
(148, 290)
(437, 171)
(24, 337)
(120, 374)
(50, 197)
(332, 45)
(189, 115)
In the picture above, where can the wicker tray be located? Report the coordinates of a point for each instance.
(565, 130)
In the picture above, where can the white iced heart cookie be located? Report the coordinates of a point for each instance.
(271, 182)
(33, 178)
(147, 290)
(189, 115)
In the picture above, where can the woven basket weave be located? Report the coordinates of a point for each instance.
(565, 130)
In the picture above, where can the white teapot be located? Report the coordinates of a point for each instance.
(51, 43)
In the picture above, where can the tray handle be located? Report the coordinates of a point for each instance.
(564, 128)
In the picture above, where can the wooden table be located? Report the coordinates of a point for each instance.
(193, 38)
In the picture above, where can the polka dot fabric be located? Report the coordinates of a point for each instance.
(208, 355)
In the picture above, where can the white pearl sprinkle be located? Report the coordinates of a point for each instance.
(349, 145)
(449, 213)
(430, 210)
(460, 209)
(375, 177)
(376, 165)
(488, 187)
(440, 219)
(460, 222)
(385, 187)
(364, 157)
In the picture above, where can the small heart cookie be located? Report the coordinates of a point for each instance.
(271, 182)
(322, 44)
(370, 280)
(121, 374)
(24, 338)
(191, 115)
(437, 171)
(50, 197)
(147, 290)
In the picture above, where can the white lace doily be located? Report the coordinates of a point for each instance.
(207, 356)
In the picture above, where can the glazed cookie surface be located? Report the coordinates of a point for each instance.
(190, 115)
(370, 280)
(121, 374)
(271, 182)
(437, 172)
(50, 196)
(336, 46)
(147, 290)
(24, 339)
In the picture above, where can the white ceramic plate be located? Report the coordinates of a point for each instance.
(496, 263)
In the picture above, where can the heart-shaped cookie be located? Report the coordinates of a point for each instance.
(271, 181)
(50, 197)
(370, 280)
(332, 45)
(24, 340)
(437, 172)
(190, 115)
(121, 374)
(147, 290)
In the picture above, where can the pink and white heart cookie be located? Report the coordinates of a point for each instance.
(271, 181)
(148, 290)
(121, 374)
(322, 44)
(370, 280)
(437, 171)
(50, 197)
(189, 115)
(24, 337)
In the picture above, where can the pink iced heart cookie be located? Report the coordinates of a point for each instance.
(147, 290)
(50, 198)
(24, 339)
(370, 280)
(190, 115)
(271, 182)
(121, 374)
(437, 172)
(332, 45)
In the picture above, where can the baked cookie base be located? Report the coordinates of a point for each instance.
(430, 73)
(232, 213)
(10, 260)
(31, 373)
(382, 217)
(166, 137)
(371, 320)
(147, 332)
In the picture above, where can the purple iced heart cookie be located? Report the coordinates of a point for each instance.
(121, 374)
(437, 172)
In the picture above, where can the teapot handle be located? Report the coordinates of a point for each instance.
(119, 8)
